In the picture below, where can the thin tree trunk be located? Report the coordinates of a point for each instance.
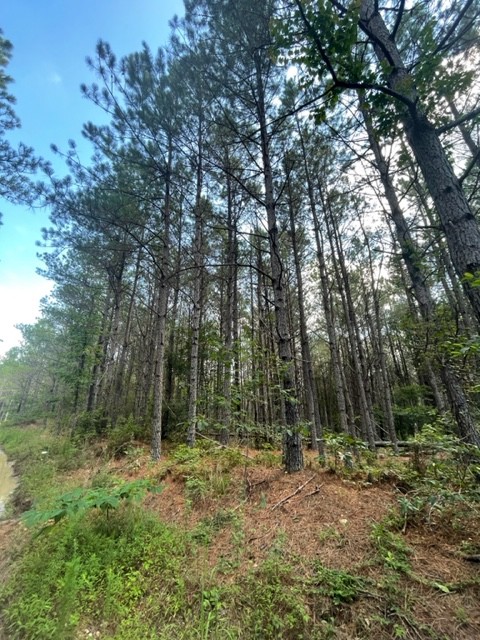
(293, 454)
(386, 395)
(466, 425)
(358, 358)
(313, 408)
(327, 307)
(199, 214)
(161, 313)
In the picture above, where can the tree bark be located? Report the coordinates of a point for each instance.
(161, 313)
(456, 216)
(313, 408)
(292, 450)
(410, 254)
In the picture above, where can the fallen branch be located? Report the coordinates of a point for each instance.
(279, 504)
(312, 493)
(472, 558)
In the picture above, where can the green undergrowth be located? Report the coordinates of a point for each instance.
(131, 576)
(205, 470)
(44, 460)
(438, 485)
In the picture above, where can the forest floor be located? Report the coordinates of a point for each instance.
(333, 553)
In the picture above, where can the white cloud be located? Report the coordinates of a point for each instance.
(20, 304)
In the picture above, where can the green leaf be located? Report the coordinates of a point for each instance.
(441, 587)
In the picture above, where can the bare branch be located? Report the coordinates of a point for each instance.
(455, 123)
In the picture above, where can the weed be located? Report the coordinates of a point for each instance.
(80, 500)
(121, 436)
(268, 458)
(461, 615)
(330, 533)
(227, 458)
(40, 457)
(270, 603)
(195, 490)
(391, 548)
(340, 586)
(88, 568)
(208, 527)
(205, 483)
(344, 449)
(211, 607)
(184, 454)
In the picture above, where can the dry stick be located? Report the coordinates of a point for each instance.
(312, 493)
(279, 504)
(263, 535)
(474, 558)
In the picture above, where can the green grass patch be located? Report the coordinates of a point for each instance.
(43, 460)
(340, 586)
(97, 571)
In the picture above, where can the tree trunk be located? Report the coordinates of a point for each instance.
(410, 253)
(313, 408)
(458, 221)
(356, 348)
(199, 214)
(161, 313)
(292, 451)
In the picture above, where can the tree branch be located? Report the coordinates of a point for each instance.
(340, 82)
(443, 44)
(455, 123)
(398, 21)
(470, 166)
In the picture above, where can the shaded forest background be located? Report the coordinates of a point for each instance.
(276, 237)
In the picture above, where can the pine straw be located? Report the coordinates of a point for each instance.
(333, 525)
(330, 522)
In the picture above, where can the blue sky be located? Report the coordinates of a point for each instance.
(51, 40)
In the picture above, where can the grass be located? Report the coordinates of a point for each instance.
(44, 460)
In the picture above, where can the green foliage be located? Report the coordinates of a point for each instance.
(270, 604)
(463, 347)
(226, 459)
(22, 443)
(210, 526)
(441, 482)
(99, 570)
(15, 162)
(268, 457)
(409, 410)
(184, 454)
(443, 461)
(343, 448)
(340, 586)
(211, 484)
(391, 548)
(80, 500)
(206, 469)
(89, 424)
(196, 490)
(125, 431)
(473, 279)
(42, 458)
